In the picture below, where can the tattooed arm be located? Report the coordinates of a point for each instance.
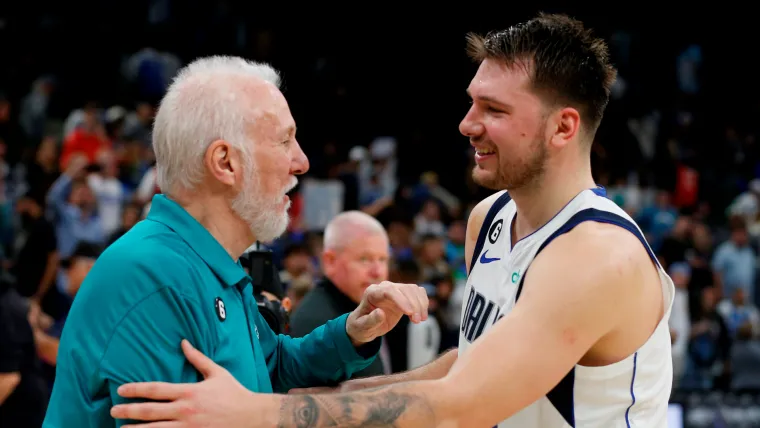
(403, 405)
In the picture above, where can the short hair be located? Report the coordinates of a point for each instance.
(202, 104)
(566, 63)
(348, 226)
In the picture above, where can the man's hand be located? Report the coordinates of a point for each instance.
(219, 401)
(381, 308)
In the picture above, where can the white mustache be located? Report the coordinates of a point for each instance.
(292, 185)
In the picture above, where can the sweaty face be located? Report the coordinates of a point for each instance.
(270, 173)
(506, 126)
(360, 264)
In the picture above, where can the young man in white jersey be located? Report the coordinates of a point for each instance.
(565, 324)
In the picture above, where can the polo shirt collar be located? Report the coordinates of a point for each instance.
(165, 211)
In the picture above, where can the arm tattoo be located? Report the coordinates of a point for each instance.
(382, 407)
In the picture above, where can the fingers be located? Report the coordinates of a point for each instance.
(424, 301)
(412, 293)
(154, 390)
(408, 298)
(400, 299)
(147, 411)
(201, 362)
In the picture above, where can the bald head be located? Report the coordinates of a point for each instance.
(348, 226)
(356, 253)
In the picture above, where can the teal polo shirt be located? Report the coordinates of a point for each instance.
(165, 280)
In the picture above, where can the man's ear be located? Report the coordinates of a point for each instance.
(223, 161)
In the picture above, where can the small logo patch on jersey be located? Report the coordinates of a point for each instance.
(495, 231)
(485, 259)
(515, 277)
(221, 312)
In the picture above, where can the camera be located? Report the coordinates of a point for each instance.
(266, 279)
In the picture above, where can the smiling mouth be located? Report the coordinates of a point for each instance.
(484, 152)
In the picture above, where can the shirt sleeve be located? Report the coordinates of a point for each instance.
(324, 356)
(146, 344)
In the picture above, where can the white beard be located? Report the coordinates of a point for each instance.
(262, 213)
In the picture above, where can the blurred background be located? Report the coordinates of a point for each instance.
(378, 93)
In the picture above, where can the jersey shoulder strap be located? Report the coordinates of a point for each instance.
(495, 208)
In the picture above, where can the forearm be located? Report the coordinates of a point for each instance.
(407, 405)
(324, 356)
(8, 383)
(432, 371)
(47, 347)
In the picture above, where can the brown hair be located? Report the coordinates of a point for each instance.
(567, 64)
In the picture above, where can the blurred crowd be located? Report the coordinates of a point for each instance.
(72, 184)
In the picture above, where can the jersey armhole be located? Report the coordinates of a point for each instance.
(598, 216)
(495, 208)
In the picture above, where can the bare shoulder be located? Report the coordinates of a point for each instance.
(596, 254)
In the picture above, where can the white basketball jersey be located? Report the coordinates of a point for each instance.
(633, 392)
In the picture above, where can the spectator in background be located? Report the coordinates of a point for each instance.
(747, 206)
(74, 209)
(23, 390)
(657, 220)
(129, 217)
(432, 257)
(138, 124)
(455, 248)
(702, 276)
(736, 262)
(430, 188)
(400, 237)
(88, 138)
(428, 221)
(108, 190)
(297, 290)
(33, 114)
(680, 320)
(297, 265)
(674, 246)
(738, 312)
(74, 270)
(709, 344)
(39, 174)
(355, 256)
(36, 261)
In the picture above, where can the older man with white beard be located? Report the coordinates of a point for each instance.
(226, 155)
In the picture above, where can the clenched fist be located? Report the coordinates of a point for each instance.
(382, 307)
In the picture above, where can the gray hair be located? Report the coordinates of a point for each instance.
(203, 104)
